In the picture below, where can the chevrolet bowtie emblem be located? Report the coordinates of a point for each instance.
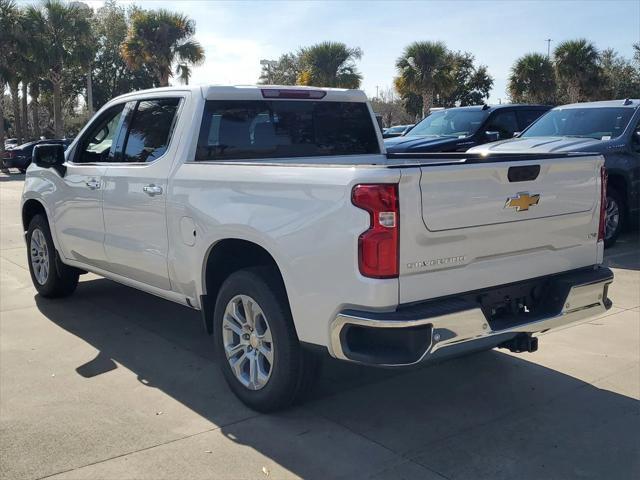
(522, 201)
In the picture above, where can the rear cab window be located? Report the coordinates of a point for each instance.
(264, 129)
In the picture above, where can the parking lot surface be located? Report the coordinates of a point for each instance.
(116, 383)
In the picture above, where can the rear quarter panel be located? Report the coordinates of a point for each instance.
(301, 214)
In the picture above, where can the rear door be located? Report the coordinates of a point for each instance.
(482, 224)
(134, 198)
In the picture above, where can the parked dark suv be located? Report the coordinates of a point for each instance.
(458, 129)
(611, 128)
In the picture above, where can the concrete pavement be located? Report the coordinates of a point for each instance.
(114, 383)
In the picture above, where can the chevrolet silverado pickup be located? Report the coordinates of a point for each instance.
(277, 213)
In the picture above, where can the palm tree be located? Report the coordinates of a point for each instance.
(423, 68)
(157, 39)
(532, 80)
(329, 64)
(12, 46)
(576, 65)
(62, 34)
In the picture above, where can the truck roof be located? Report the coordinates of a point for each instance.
(501, 106)
(626, 103)
(254, 92)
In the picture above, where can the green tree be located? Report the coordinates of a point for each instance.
(620, 77)
(285, 71)
(471, 84)
(62, 32)
(424, 70)
(532, 80)
(329, 64)
(111, 75)
(158, 39)
(577, 70)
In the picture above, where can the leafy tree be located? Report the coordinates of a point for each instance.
(471, 84)
(620, 77)
(62, 33)
(329, 64)
(532, 80)
(424, 70)
(389, 104)
(158, 39)
(412, 102)
(577, 70)
(284, 72)
(111, 75)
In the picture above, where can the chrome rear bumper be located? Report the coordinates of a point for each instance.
(441, 325)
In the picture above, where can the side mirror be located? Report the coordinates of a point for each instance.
(49, 155)
(492, 136)
(516, 134)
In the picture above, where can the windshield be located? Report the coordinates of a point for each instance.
(449, 123)
(398, 129)
(598, 123)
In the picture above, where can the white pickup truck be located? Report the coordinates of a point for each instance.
(276, 212)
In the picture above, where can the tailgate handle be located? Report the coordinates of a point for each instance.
(525, 173)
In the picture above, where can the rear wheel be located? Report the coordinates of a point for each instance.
(614, 217)
(49, 275)
(256, 343)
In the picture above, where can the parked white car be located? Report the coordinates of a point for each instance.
(276, 212)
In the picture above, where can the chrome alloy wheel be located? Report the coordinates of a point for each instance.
(247, 341)
(612, 218)
(39, 256)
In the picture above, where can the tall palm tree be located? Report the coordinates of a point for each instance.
(157, 39)
(576, 65)
(62, 33)
(329, 64)
(532, 80)
(12, 44)
(423, 68)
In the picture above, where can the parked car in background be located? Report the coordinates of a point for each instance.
(396, 131)
(458, 129)
(10, 143)
(20, 156)
(611, 128)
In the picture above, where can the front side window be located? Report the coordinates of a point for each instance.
(599, 123)
(449, 123)
(505, 123)
(150, 130)
(98, 144)
(234, 129)
(527, 117)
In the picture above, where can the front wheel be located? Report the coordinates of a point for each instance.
(49, 275)
(256, 343)
(614, 217)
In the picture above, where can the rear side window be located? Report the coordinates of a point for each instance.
(150, 130)
(527, 117)
(235, 130)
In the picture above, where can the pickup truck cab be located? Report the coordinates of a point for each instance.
(610, 128)
(276, 212)
(460, 128)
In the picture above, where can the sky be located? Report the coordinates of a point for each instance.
(237, 35)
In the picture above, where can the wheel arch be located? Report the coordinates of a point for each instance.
(617, 181)
(222, 259)
(30, 209)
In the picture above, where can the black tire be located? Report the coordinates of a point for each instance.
(616, 198)
(23, 170)
(61, 280)
(294, 368)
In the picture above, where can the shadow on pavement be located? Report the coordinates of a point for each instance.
(4, 177)
(625, 253)
(487, 415)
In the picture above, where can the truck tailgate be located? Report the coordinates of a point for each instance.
(472, 225)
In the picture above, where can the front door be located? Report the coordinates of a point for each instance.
(78, 219)
(134, 197)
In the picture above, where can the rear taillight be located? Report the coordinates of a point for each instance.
(378, 247)
(603, 204)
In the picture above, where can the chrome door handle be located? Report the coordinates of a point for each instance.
(93, 184)
(152, 190)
